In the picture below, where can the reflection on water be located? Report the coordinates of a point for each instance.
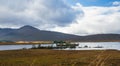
(13, 47)
(82, 46)
(99, 45)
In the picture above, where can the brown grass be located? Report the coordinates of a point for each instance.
(45, 57)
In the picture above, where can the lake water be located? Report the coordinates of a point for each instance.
(98, 45)
(82, 46)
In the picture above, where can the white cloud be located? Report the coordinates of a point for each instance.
(96, 20)
(116, 3)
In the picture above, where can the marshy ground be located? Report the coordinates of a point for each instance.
(47, 57)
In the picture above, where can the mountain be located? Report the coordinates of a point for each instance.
(29, 33)
(99, 38)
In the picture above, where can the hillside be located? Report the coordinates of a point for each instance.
(98, 38)
(29, 33)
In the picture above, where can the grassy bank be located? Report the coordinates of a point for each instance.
(45, 57)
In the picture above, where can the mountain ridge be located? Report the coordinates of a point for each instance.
(30, 33)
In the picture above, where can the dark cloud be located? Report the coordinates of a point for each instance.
(39, 13)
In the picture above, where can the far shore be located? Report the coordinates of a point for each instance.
(43, 42)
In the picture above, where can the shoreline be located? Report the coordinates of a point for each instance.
(8, 43)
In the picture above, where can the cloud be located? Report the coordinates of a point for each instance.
(37, 13)
(116, 3)
(96, 20)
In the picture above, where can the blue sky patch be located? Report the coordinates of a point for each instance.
(93, 2)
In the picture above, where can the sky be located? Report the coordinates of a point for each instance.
(79, 17)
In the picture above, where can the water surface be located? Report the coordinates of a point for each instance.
(90, 46)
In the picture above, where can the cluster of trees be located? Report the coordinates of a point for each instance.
(59, 45)
(41, 47)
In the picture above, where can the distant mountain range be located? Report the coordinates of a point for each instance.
(29, 33)
(99, 38)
